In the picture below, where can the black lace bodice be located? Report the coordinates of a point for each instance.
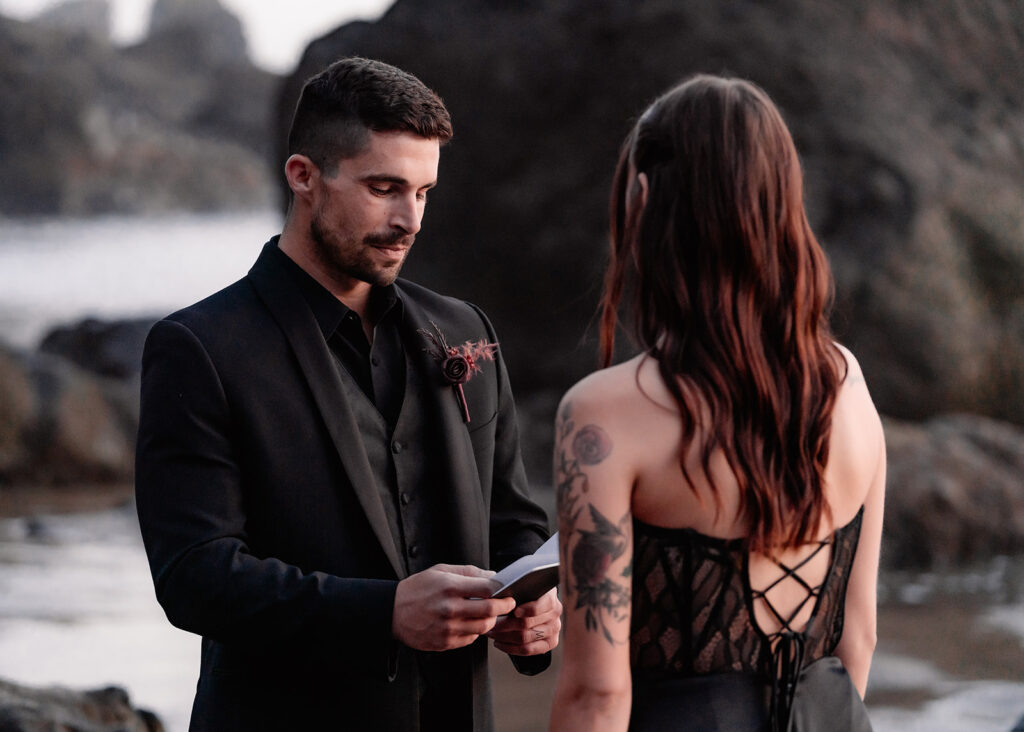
(693, 609)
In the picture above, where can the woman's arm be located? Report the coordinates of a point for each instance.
(857, 645)
(593, 487)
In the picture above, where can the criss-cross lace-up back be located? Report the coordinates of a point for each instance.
(695, 612)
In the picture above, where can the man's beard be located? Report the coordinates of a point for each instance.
(352, 261)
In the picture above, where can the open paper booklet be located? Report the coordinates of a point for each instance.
(529, 577)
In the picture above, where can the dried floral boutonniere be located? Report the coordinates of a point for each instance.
(458, 363)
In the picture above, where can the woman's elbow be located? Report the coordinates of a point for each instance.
(583, 707)
(862, 643)
(855, 651)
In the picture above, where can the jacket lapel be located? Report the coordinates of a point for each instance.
(466, 501)
(292, 313)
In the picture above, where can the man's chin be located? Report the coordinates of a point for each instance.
(382, 277)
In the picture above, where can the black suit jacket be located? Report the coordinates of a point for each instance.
(264, 529)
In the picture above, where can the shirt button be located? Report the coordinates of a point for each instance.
(397, 447)
(414, 551)
(405, 498)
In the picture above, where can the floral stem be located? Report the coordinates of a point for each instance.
(461, 396)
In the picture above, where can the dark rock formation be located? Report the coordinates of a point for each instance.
(78, 16)
(60, 425)
(909, 118)
(177, 122)
(955, 491)
(108, 348)
(25, 709)
(213, 35)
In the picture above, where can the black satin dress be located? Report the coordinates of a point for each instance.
(701, 663)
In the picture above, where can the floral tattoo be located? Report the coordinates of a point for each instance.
(588, 553)
(591, 445)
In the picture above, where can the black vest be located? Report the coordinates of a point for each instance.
(412, 488)
(406, 470)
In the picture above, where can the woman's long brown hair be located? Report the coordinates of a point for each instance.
(729, 291)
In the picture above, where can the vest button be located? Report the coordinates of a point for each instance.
(414, 551)
(397, 447)
(405, 498)
(375, 361)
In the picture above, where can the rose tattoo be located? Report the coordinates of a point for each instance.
(591, 445)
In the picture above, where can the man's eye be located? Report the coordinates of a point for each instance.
(379, 191)
(421, 196)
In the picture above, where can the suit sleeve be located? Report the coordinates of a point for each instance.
(191, 505)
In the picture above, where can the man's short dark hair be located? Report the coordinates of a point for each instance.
(341, 105)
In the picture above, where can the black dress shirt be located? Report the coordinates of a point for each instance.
(378, 367)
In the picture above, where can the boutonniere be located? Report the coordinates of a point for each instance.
(458, 363)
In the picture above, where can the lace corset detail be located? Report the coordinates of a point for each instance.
(693, 607)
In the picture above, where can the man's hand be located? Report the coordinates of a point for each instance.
(437, 609)
(532, 629)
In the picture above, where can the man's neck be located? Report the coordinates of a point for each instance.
(355, 294)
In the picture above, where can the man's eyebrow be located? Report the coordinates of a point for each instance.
(393, 179)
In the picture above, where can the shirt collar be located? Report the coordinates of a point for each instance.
(328, 310)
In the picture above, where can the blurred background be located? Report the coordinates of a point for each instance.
(140, 144)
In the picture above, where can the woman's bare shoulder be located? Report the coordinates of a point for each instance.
(853, 391)
(605, 388)
(857, 441)
(853, 370)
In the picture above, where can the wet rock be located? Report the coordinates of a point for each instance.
(107, 348)
(27, 709)
(955, 491)
(60, 425)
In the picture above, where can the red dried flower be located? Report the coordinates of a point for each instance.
(458, 363)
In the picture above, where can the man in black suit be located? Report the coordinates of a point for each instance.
(316, 493)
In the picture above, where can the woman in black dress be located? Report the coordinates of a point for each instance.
(720, 495)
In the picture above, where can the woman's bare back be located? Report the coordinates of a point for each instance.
(642, 415)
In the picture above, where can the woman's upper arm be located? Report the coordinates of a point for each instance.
(593, 488)
(859, 635)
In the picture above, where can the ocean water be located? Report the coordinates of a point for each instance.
(55, 271)
(76, 600)
(77, 609)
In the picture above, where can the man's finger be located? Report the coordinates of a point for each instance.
(534, 641)
(466, 570)
(516, 634)
(513, 622)
(472, 608)
(546, 603)
(460, 585)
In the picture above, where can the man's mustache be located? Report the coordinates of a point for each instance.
(390, 239)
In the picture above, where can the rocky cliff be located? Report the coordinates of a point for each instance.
(177, 122)
(909, 117)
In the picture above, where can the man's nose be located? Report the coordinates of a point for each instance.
(407, 214)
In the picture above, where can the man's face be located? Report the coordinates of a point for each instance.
(366, 216)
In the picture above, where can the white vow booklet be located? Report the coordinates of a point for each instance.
(529, 577)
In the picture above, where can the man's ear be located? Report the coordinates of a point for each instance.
(301, 174)
(641, 179)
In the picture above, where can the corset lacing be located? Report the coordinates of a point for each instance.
(787, 644)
